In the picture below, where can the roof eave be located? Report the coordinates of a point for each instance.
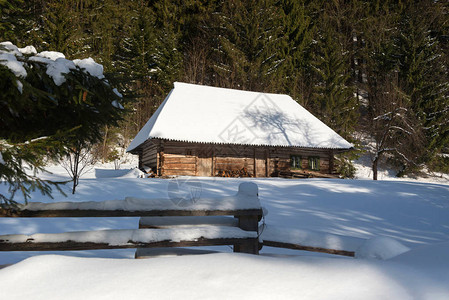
(337, 150)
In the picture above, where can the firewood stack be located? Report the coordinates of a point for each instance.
(243, 172)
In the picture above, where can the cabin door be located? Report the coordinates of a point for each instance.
(204, 167)
(260, 162)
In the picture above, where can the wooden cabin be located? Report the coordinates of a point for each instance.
(208, 131)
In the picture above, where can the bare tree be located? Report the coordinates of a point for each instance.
(78, 161)
(392, 124)
(195, 61)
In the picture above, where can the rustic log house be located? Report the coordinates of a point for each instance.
(208, 131)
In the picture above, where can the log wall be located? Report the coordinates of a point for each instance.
(148, 155)
(196, 159)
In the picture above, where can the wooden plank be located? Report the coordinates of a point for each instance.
(254, 158)
(151, 164)
(249, 222)
(249, 246)
(310, 173)
(172, 221)
(204, 166)
(308, 248)
(233, 164)
(142, 253)
(234, 160)
(149, 158)
(196, 166)
(140, 164)
(231, 148)
(169, 172)
(151, 142)
(160, 159)
(254, 163)
(180, 167)
(267, 157)
(72, 245)
(175, 151)
(123, 213)
(179, 159)
(149, 152)
(214, 169)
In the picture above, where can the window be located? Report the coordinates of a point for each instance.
(314, 163)
(295, 162)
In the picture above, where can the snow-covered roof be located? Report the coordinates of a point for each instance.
(205, 114)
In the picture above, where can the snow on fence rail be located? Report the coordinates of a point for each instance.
(244, 206)
(127, 238)
(307, 240)
(206, 222)
(245, 202)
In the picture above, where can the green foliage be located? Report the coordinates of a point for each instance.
(41, 120)
(298, 26)
(342, 60)
(8, 8)
(248, 38)
(423, 74)
(345, 167)
(440, 163)
(23, 152)
(344, 161)
(333, 97)
(20, 164)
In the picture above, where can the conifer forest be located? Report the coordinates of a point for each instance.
(376, 72)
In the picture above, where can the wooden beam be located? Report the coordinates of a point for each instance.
(249, 246)
(173, 222)
(254, 162)
(331, 161)
(72, 245)
(124, 213)
(248, 223)
(307, 248)
(196, 161)
(267, 153)
(160, 168)
(213, 162)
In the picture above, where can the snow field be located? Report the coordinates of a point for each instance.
(217, 276)
(379, 220)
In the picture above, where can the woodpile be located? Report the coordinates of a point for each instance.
(243, 172)
(290, 174)
(305, 174)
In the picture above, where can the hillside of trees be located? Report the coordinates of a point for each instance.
(374, 71)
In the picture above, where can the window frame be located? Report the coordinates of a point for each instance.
(295, 162)
(314, 160)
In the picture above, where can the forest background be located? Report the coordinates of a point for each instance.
(374, 71)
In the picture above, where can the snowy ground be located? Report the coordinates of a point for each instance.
(412, 214)
(222, 276)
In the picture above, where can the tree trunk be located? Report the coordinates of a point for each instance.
(104, 154)
(76, 161)
(375, 161)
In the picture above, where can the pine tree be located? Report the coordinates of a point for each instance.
(41, 118)
(298, 25)
(378, 67)
(423, 72)
(60, 27)
(333, 98)
(8, 21)
(248, 38)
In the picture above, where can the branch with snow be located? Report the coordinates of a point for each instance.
(57, 66)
